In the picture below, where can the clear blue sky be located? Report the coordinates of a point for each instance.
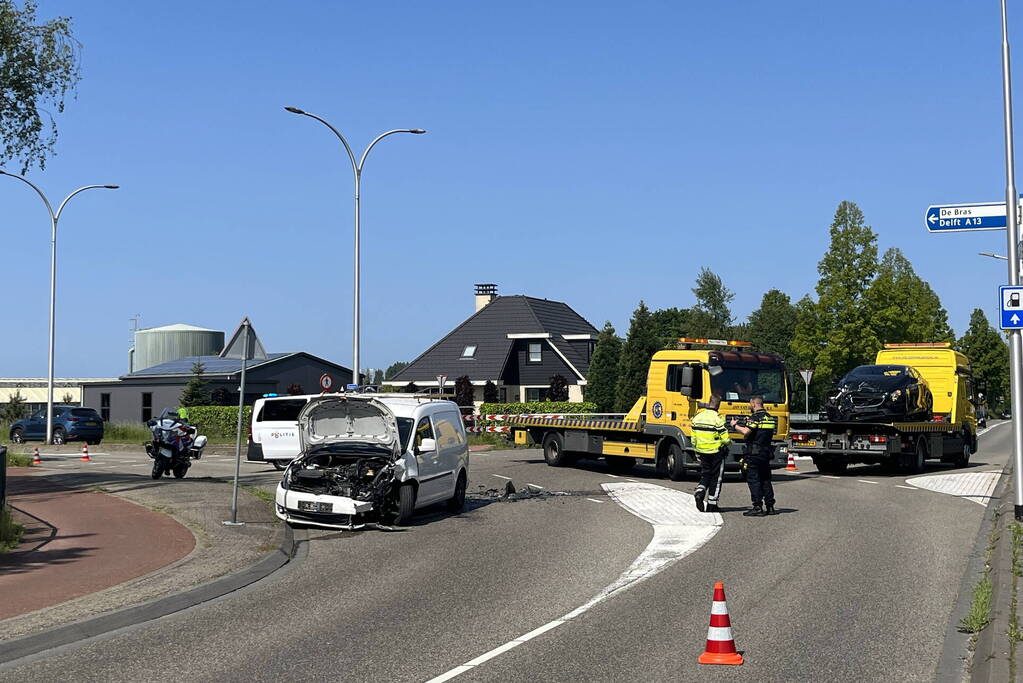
(594, 153)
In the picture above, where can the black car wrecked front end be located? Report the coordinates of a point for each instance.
(879, 393)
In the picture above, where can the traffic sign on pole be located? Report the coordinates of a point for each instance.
(326, 382)
(1012, 307)
(965, 217)
(807, 375)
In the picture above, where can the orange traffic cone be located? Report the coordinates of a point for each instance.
(720, 644)
(85, 453)
(36, 460)
(791, 466)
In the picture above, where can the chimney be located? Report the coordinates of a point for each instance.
(485, 293)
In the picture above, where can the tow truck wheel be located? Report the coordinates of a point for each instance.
(915, 463)
(675, 463)
(963, 458)
(554, 450)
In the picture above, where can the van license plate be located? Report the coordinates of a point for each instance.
(314, 506)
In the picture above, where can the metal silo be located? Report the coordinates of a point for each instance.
(161, 344)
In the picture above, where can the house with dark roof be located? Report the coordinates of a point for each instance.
(143, 394)
(517, 342)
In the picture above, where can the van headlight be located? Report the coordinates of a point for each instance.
(285, 478)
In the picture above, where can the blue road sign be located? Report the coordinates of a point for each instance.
(1012, 306)
(962, 217)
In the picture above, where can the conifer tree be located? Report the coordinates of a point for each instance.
(903, 307)
(195, 392)
(634, 361)
(711, 316)
(602, 380)
(989, 359)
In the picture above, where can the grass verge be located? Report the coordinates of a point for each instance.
(1014, 633)
(495, 441)
(979, 615)
(18, 460)
(10, 531)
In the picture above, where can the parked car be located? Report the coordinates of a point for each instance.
(880, 392)
(374, 459)
(273, 433)
(70, 423)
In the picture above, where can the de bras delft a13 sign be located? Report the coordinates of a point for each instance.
(964, 217)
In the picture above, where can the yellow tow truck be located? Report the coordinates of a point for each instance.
(950, 435)
(658, 429)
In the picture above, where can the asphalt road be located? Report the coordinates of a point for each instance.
(855, 580)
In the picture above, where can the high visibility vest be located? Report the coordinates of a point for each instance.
(709, 431)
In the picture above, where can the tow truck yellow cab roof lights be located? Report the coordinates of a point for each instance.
(713, 342)
(921, 345)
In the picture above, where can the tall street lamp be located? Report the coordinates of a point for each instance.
(54, 218)
(357, 169)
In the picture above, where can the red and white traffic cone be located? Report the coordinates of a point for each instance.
(36, 460)
(85, 453)
(720, 643)
(791, 466)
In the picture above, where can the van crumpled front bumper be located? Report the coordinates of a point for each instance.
(300, 507)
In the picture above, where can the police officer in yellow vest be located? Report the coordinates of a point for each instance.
(759, 430)
(710, 439)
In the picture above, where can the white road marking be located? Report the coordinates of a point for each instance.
(866, 481)
(535, 486)
(634, 481)
(830, 476)
(900, 486)
(679, 529)
(594, 500)
(975, 486)
(500, 476)
(613, 476)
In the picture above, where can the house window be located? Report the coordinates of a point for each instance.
(104, 407)
(536, 394)
(147, 406)
(469, 351)
(535, 353)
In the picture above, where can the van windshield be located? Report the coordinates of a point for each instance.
(405, 431)
(285, 410)
(737, 383)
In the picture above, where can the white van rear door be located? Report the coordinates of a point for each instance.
(276, 427)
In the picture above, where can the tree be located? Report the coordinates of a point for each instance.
(838, 335)
(669, 324)
(634, 361)
(394, 368)
(557, 389)
(989, 359)
(602, 379)
(711, 316)
(490, 394)
(67, 398)
(903, 307)
(295, 389)
(411, 388)
(220, 397)
(15, 408)
(772, 326)
(195, 392)
(39, 66)
(464, 393)
(378, 377)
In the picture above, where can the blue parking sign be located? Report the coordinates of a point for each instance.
(1012, 306)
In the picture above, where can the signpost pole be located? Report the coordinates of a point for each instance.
(238, 443)
(1012, 237)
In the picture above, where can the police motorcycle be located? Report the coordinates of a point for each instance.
(174, 444)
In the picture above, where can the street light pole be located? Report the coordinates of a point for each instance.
(54, 219)
(357, 170)
(1012, 238)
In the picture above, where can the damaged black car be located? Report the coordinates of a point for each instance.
(880, 392)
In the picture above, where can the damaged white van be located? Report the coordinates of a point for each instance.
(374, 459)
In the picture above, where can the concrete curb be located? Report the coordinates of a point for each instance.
(13, 650)
(952, 664)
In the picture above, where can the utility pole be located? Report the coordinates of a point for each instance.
(1012, 238)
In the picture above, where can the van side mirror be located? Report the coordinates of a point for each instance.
(685, 384)
(426, 446)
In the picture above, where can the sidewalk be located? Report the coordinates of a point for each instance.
(133, 541)
(82, 542)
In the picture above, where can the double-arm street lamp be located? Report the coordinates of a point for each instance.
(357, 169)
(54, 219)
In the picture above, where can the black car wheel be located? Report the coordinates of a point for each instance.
(59, 436)
(675, 462)
(17, 436)
(457, 502)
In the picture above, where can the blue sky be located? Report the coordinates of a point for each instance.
(593, 153)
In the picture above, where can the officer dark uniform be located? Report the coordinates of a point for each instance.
(710, 441)
(759, 431)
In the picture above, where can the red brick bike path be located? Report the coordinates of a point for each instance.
(81, 543)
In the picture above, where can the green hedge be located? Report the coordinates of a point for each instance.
(533, 407)
(219, 422)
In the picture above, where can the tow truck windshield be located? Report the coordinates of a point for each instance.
(737, 383)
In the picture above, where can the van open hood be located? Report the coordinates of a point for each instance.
(340, 420)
